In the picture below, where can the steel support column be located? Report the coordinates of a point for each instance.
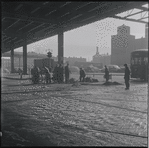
(60, 47)
(12, 60)
(24, 57)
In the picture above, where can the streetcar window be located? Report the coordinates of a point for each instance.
(139, 61)
(132, 61)
(145, 60)
(136, 60)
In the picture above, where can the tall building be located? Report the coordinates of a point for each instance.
(122, 45)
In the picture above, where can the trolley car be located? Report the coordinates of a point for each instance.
(139, 64)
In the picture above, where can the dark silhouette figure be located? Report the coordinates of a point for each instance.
(82, 75)
(67, 72)
(47, 75)
(127, 76)
(60, 73)
(35, 74)
(106, 74)
(56, 73)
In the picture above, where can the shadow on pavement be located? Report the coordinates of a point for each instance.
(15, 131)
(138, 81)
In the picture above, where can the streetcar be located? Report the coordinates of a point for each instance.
(139, 64)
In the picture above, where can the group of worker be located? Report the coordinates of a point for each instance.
(46, 73)
(58, 74)
(60, 71)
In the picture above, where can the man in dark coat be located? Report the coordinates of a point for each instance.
(60, 74)
(82, 75)
(106, 74)
(67, 72)
(36, 76)
(55, 73)
(47, 75)
(33, 74)
(127, 76)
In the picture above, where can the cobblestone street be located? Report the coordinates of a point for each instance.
(66, 115)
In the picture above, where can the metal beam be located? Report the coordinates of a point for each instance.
(12, 35)
(12, 24)
(142, 8)
(12, 60)
(25, 57)
(128, 19)
(26, 18)
(134, 14)
(60, 47)
(143, 18)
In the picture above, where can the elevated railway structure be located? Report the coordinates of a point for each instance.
(25, 22)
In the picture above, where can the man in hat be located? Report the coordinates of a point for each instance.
(127, 76)
(106, 73)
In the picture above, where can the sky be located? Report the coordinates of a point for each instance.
(82, 41)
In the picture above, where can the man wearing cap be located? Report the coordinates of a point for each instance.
(127, 76)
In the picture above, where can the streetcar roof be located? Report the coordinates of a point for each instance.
(140, 50)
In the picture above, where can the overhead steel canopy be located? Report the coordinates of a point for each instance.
(138, 14)
(35, 21)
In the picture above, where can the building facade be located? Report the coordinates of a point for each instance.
(103, 59)
(122, 45)
(71, 60)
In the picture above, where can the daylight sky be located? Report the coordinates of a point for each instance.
(82, 41)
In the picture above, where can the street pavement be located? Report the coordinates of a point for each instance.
(90, 114)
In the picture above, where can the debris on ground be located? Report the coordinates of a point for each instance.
(72, 80)
(76, 83)
(89, 79)
(112, 83)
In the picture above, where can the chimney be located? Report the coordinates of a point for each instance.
(97, 52)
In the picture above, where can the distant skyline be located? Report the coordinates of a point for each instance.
(82, 41)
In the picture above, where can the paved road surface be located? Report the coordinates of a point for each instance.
(66, 115)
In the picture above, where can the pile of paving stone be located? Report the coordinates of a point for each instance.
(89, 79)
(76, 84)
(72, 80)
(112, 83)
